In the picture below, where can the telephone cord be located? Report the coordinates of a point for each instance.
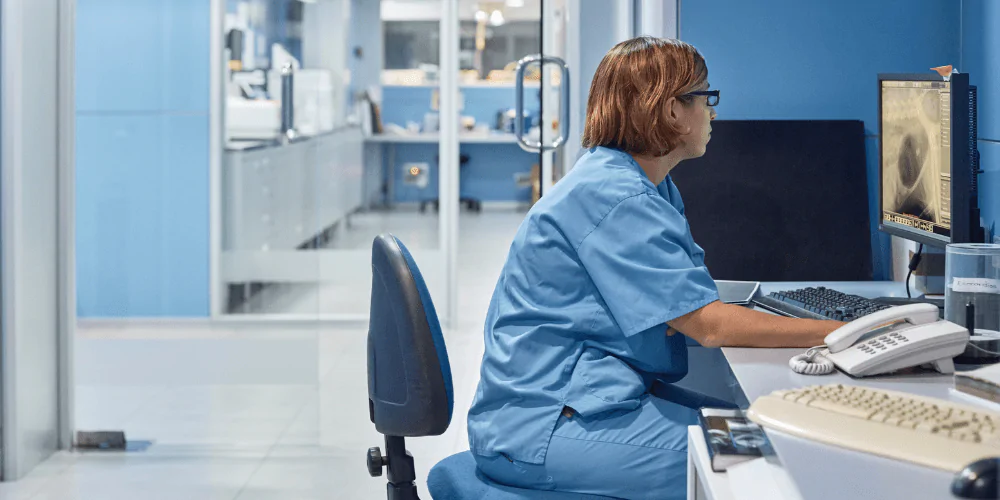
(811, 363)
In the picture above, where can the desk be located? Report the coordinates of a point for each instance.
(825, 472)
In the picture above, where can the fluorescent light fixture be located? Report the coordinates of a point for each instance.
(514, 3)
(481, 15)
(496, 18)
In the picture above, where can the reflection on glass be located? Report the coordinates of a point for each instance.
(307, 183)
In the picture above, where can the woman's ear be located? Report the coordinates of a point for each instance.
(672, 111)
(675, 116)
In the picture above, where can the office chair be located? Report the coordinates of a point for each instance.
(409, 386)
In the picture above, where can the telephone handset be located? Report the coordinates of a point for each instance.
(886, 341)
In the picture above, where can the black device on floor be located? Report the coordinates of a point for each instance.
(822, 303)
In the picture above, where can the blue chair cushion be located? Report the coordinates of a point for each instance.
(432, 321)
(458, 478)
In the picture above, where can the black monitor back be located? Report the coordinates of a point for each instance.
(781, 200)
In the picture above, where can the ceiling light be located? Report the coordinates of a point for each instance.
(481, 15)
(496, 18)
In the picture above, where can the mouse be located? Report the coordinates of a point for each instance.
(978, 480)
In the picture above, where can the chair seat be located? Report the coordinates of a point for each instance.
(457, 477)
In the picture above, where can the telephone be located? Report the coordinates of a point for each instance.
(886, 341)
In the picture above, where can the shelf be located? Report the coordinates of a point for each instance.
(434, 138)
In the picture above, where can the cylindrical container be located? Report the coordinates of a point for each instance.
(234, 42)
(972, 295)
(288, 101)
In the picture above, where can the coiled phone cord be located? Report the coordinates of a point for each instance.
(811, 363)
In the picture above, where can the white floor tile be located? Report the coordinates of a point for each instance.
(277, 412)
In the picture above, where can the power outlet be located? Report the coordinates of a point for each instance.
(416, 174)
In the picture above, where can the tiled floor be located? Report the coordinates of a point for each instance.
(253, 411)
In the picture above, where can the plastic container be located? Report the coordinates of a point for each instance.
(972, 286)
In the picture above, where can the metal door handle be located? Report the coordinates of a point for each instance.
(538, 146)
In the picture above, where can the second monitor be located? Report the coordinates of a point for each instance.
(928, 158)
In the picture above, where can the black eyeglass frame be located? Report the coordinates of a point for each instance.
(713, 96)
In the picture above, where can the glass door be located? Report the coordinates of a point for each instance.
(348, 147)
(498, 181)
(544, 129)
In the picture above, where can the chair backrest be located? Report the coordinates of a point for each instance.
(409, 377)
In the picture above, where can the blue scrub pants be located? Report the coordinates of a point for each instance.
(640, 453)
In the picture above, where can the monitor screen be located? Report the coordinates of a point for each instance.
(916, 157)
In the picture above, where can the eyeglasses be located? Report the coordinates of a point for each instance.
(713, 96)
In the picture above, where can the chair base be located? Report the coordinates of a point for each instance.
(407, 492)
(399, 462)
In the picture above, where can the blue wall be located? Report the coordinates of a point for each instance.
(142, 197)
(981, 59)
(792, 59)
(488, 176)
(402, 103)
(490, 173)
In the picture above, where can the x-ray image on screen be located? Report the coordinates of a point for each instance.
(912, 160)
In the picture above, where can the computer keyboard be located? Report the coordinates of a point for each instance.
(926, 431)
(819, 303)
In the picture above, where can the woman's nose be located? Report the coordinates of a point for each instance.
(713, 115)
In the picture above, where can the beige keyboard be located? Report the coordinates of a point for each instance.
(926, 431)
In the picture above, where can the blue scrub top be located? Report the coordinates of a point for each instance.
(578, 316)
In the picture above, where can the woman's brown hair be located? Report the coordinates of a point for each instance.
(626, 109)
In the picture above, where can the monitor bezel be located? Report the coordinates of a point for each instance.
(960, 167)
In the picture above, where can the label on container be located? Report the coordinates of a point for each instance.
(976, 285)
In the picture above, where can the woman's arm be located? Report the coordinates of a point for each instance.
(727, 325)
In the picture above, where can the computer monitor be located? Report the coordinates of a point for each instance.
(928, 159)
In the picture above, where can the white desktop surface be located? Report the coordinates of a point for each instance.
(826, 472)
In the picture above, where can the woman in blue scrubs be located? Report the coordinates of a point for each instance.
(602, 275)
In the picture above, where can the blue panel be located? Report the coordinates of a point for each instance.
(789, 59)
(981, 59)
(819, 60)
(142, 55)
(402, 104)
(488, 176)
(483, 103)
(989, 183)
(142, 216)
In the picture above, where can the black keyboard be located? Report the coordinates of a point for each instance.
(819, 303)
